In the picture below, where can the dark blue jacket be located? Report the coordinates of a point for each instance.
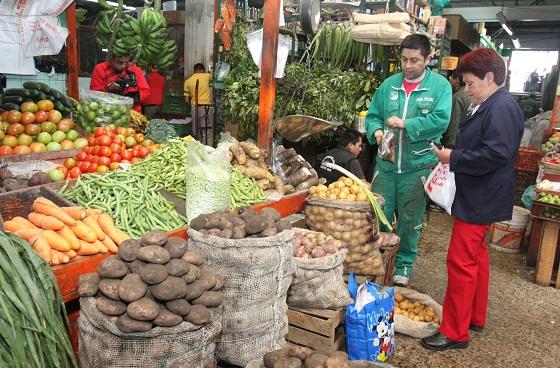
(484, 160)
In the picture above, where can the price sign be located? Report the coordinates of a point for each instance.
(449, 62)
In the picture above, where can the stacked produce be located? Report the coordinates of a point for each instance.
(37, 128)
(300, 356)
(9, 182)
(244, 191)
(550, 198)
(297, 173)
(250, 161)
(315, 245)
(415, 310)
(243, 224)
(154, 281)
(59, 234)
(552, 146)
(160, 131)
(102, 108)
(33, 315)
(344, 189)
(132, 200)
(37, 92)
(137, 121)
(145, 39)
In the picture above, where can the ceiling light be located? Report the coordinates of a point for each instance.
(516, 43)
(503, 22)
(114, 4)
(501, 46)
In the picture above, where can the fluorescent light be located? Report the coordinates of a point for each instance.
(516, 43)
(114, 4)
(504, 23)
(507, 29)
(501, 46)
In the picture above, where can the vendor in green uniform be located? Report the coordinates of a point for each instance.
(416, 105)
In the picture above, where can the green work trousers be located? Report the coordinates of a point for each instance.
(404, 193)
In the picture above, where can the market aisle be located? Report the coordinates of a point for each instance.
(523, 327)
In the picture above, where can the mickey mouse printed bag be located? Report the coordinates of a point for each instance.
(370, 332)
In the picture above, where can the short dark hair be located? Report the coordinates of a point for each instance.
(199, 67)
(459, 76)
(482, 61)
(348, 136)
(417, 42)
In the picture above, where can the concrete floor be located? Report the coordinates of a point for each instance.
(523, 328)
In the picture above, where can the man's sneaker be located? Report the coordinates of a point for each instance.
(399, 280)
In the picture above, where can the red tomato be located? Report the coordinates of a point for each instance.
(70, 162)
(84, 166)
(99, 131)
(105, 151)
(135, 153)
(102, 169)
(104, 161)
(143, 151)
(104, 140)
(116, 147)
(81, 156)
(94, 159)
(63, 170)
(115, 157)
(92, 168)
(89, 156)
(116, 140)
(95, 150)
(91, 140)
(114, 166)
(127, 155)
(135, 160)
(86, 149)
(74, 172)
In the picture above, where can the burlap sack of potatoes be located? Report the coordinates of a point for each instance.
(413, 328)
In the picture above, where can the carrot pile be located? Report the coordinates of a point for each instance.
(59, 234)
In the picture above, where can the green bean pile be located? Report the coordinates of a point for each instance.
(244, 190)
(33, 319)
(166, 167)
(133, 202)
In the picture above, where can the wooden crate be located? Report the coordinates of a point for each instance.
(546, 257)
(317, 328)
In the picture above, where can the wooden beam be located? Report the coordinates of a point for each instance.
(72, 53)
(267, 93)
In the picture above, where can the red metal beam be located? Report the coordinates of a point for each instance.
(72, 52)
(268, 67)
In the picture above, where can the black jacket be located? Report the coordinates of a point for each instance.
(484, 160)
(341, 157)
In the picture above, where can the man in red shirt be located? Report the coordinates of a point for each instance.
(120, 76)
(153, 103)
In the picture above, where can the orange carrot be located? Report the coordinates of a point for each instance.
(46, 201)
(87, 249)
(84, 232)
(41, 246)
(71, 253)
(69, 235)
(93, 212)
(27, 234)
(13, 226)
(56, 241)
(24, 221)
(110, 245)
(55, 212)
(91, 221)
(45, 222)
(102, 248)
(58, 258)
(106, 223)
(77, 213)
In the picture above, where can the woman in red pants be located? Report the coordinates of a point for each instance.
(484, 165)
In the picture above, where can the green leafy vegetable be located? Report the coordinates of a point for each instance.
(160, 131)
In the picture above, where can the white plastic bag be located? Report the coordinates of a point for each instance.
(254, 43)
(440, 186)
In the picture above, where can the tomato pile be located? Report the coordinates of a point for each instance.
(107, 147)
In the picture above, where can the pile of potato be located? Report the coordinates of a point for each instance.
(244, 223)
(153, 281)
(315, 245)
(414, 310)
(298, 174)
(344, 188)
(303, 357)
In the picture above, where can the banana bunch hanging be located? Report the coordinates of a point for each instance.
(332, 44)
(145, 39)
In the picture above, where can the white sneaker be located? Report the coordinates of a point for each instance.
(399, 280)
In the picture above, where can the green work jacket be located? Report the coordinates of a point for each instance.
(425, 112)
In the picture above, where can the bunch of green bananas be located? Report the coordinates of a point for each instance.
(145, 39)
(333, 44)
(138, 121)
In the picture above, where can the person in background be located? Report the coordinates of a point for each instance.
(459, 109)
(152, 105)
(483, 161)
(345, 155)
(120, 76)
(533, 80)
(530, 106)
(198, 93)
(416, 105)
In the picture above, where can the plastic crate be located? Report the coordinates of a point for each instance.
(524, 178)
(174, 103)
(528, 159)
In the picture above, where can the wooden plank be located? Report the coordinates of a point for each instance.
(67, 274)
(309, 339)
(340, 339)
(46, 156)
(558, 277)
(547, 251)
(72, 53)
(320, 326)
(322, 313)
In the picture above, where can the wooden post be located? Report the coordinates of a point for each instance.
(267, 93)
(72, 53)
(547, 251)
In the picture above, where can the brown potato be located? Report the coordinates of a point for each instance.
(110, 307)
(112, 267)
(153, 254)
(170, 289)
(193, 258)
(193, 274)
(210, 299)
(156, 237)
(128, 248)
(177, 267)
(132, 288)
(129, 325)
(176, 247)
(167, 318)
(88, 284)
(110, 288)
(316, 360)
(136, 266)
(153, 274)
(179, 306)
(144, 309)
(199, 315)
(300, 352)
(270, 358)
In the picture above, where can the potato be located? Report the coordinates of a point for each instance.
(336, 362)
(176, 247)
(129, 325)
(283, 224)
(179, 306)
(128, 248)
(195, 290)
(199, 315)
(238, 232)
(270, 358)
(318, 252)
(271, 213)
(170, 289)
(214, 232)
(300, 352)
(156, 237)
(290, 362)
(112, 267)
(207, 279)
(200, 222)
(110, 307)
(256, 224)
(226, 234)
(193, 258)
(269, 231)
(167, 318)
(136, 266)
(219, 283)
(110, 288)
(210, 299)
(132, 288)
(193, 274)
(153, 254)
(88, 284)
(316, 360)
(144, 309)
(153, 274)
(177, 267)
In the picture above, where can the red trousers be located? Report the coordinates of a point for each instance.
(468, 273)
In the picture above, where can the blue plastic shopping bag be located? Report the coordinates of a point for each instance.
(370, 332)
